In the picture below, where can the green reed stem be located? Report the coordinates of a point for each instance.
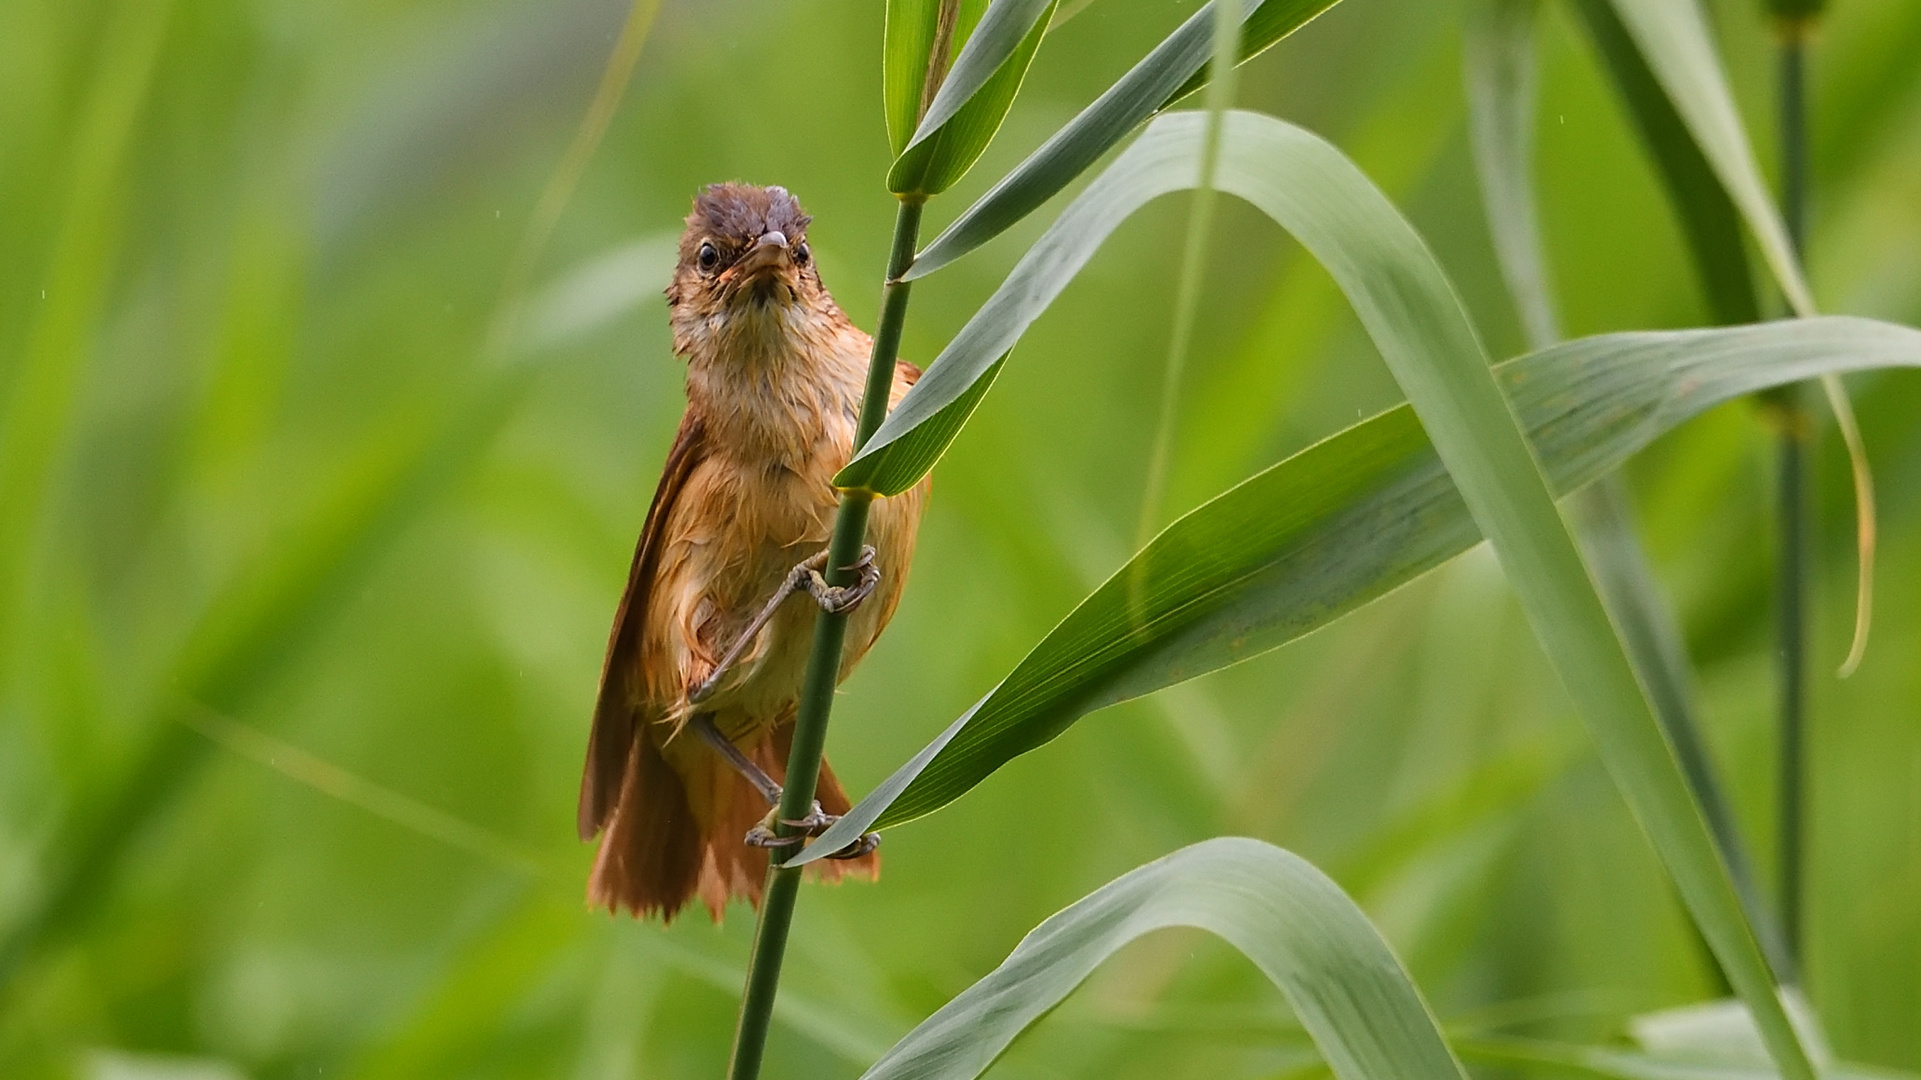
(1187, 295)
(1791, 512)
(823, 670)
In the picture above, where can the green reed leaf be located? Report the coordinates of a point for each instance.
(1343, 522)
(1264, 28)
(1349, 990)
(1166, 73)
(973, 99)
(1672, 37)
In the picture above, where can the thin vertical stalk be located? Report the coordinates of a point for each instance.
(1791, 512)
(823, 669)
(1200, 224)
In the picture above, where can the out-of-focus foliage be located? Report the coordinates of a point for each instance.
(275, 499)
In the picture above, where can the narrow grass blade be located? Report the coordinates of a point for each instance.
(1187, 292)
(973, 99)
(999, 36)
(1266, 25)
(1601, 516)
(1709, 222)
(1672, 37)
(1146, 88)
(1410, 310)
(1350, 992)
(1498, 62)
(1347, 520)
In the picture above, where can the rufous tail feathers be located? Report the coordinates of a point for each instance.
(673, 836)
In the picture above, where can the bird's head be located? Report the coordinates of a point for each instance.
(746, 278)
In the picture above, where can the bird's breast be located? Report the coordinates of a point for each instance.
(762, 501)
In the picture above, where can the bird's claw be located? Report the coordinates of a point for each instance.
(816, 822)
(764, 836)
(864, 846)
(761, 836)
(840, 599)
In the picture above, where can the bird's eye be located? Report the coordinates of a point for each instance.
(801, 254)
(708, 256)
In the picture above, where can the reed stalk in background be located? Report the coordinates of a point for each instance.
(1794, 19)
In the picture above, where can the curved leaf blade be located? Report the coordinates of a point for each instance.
(1161, 76)
(1348, 988)
(1343, 522)
(1497, 65)
(1163, 160)
(973, 99)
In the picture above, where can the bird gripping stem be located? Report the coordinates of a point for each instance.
(823, 668)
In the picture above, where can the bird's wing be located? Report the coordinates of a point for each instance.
(615, 716)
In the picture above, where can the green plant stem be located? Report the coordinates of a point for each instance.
(823, 670)
(1200, 224)
(1791, 514)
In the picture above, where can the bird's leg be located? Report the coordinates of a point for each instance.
(833, 599)
(704, 727)
(763, 835)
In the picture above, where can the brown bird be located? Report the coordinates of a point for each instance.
(709, 645)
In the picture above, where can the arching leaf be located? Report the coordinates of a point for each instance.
(1350, 992)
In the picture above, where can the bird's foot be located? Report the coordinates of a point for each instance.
(839, 599)
(833, 599)
(763, 834)
(864, 846)
(816, 822)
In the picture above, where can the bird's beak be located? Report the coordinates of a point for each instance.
(770, 254)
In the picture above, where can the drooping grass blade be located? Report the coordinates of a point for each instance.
(1349, 990)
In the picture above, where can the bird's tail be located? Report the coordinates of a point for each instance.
(678, 827)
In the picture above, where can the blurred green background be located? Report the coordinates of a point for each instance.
(317, 498)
